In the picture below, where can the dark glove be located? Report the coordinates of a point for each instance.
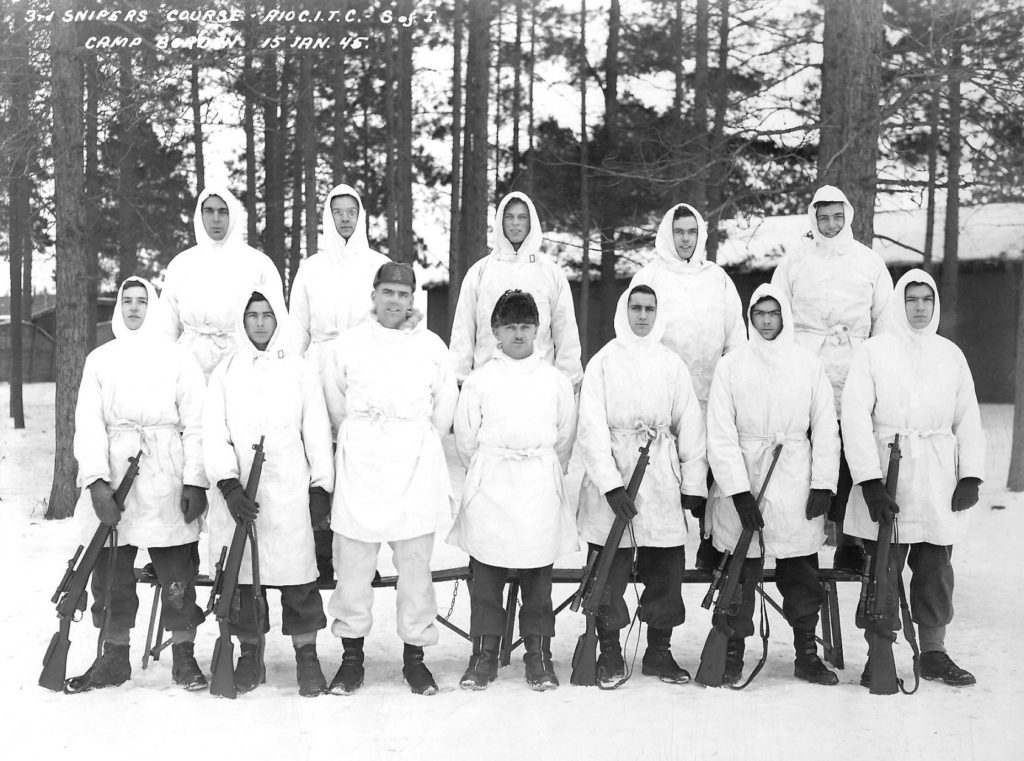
(695, 505)
(818, 503)
(746, 508)
(880, 505)
(240, 506)
(621, 503)
(965, 494)
(193, 502)
(319, 505)
(103, 503)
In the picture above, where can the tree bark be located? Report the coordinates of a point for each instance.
(306, 138)
(473, 230)
(530, 162)
(676, 135)
(455, 221)
(92, 196)
(339, 85)
(403, 140)
(1015, 481)
(20, 197)
(698, 188)
(933, 171)
(610, 207)
(197, 126)
(951, 243)
(517, 90)
(273, 91)
(584, 309)
(716, 159)
(66, 94)
(850, 113)
(497, 102)
(390, 144)
(249, 98)
(127, 172)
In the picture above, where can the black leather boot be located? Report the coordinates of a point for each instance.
(350, 675)
(808, 665)
(184, 670)
(540, 671)
(109, 670)
(610, 665)
(658, 660)
(415, 671)
(483, 663)
(308, 672)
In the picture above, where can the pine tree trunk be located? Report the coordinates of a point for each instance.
(339, 85)
(1015, 481)
(390, 144)
(950, 249)
(92, 195)
(584, 308)
(19, 193)
(717, 161)
(530, 162)
(403, 139)
(249, 99)
(127, 179)
(72, 298)
(610, 208)
(273, 90)
(306, 140)
(197, 126)
(932, 179)
(676, 162)
(473, 231)
(517, 90)
(850, 113)
(455, 222)
(701, 85)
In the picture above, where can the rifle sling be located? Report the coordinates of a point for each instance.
(910, 633)
(763, 625)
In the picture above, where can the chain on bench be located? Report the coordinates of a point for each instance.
(451, 608)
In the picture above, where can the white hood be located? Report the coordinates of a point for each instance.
(624, 333)
(786, 336)
(501, 246)
(235, 236)
(894, 318)
(331, 241)
(153, 325)
(831, 194)
(665, 246)
(282, 342)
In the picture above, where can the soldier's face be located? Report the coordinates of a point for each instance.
(345, 211)
(767, 318)
(260, 323)
(919, 301)
(515, 222)
(392, 303)
(831, 218)
(134, 302)
(684, 237)
(641, 310)
(215, 217)
(516, 339)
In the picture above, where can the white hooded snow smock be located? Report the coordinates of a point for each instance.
(391, 395)
(530, 270)
(204, 284)
(634, 387)
(514, 428)
(331, 291)
(141, 391)
(915, 383)
(768, 393)
(276, 394)
(697, 302)
(837, 288)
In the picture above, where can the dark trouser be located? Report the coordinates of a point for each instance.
(660, 570)
(837, 510)
(486, 600)
(802, 595)
(323, 542)
(302, 611)
(931, 588)
(176, 568)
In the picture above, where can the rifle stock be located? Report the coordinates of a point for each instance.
(222, 678)
(711, 671)
(70, 597)
(594, 582)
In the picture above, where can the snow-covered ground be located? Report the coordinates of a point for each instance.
(777, 717)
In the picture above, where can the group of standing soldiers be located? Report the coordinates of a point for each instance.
(353, 397)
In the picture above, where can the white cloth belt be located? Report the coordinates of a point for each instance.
(323, 337)
(769, 441)
(378, 416)
(643, 430)
(205, 329)
(515, 454)
(837, 334)
(146, 432)
(911, 439)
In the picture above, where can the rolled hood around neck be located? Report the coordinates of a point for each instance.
(625, 334)
(894, 319)
(531, 245)
(831, 194)
(152, 325)
(786, 335)
(665, 246)
(332, 241)
(235, 236)
(280, 341)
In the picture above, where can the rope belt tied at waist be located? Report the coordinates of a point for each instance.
(205, 329)
(146, 432)
(911, 439)
(381, 418)
(641, 429)
(769, 441)
(515, 454)
(837, 334)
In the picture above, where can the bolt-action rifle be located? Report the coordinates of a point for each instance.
(227, 604)
(592, 592)
(71, 597)
(726, 581)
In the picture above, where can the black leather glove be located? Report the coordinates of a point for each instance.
(621, 503)
(746, 508)
(319, 506)
(103, 503)
(965, 494)
(818, 503)
(880, 505)
(695, 505)
(240, 506)
(193, 502)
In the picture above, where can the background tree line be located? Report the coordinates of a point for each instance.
(605, 112)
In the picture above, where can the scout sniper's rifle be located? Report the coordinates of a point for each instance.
(592, 592)
(726, 580)
(880, 596)
(225, 588)
(71, 596)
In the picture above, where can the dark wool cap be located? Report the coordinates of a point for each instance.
(395, 272)
(514, 307)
